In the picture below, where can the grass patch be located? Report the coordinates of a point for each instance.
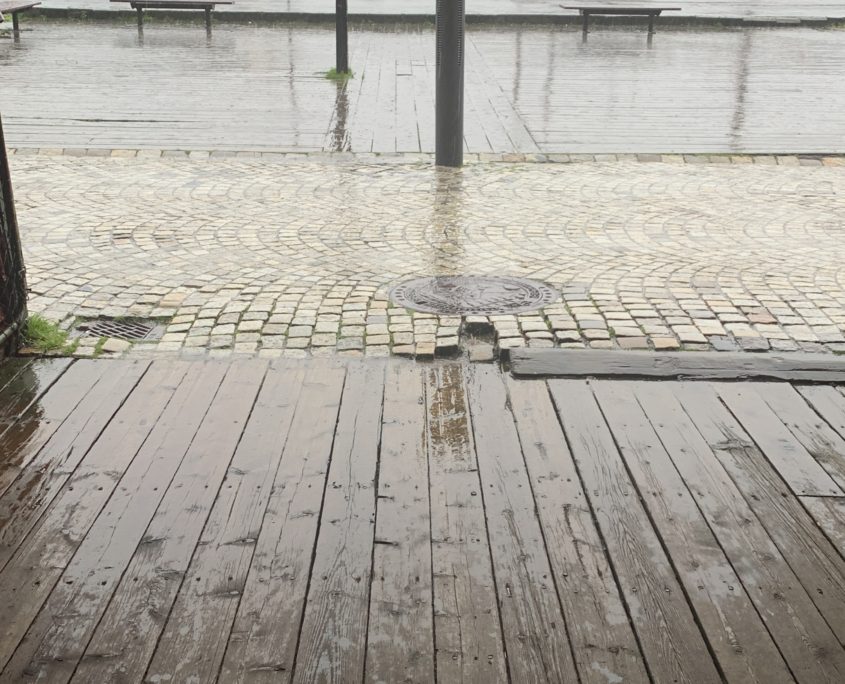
(335, 75)
(43, 336)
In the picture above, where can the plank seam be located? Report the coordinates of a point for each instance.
(471, 426)
(319, 525)
(129, 563)
(670, 560)
(713, 532)
(610, 562)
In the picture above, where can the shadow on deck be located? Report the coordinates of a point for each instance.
(319, 521)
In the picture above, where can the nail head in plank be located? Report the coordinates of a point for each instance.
(698, 365)
(209, 596)
(468, 637)
(672, 644)
(535, 631)
(262, 645)
(131, 625)
(333, 638)
(400, 644)
(753, 563)
(766, 427)
(815, 562)
(91, 566)
(602, 637)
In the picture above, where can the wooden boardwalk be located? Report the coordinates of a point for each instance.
(175, 521)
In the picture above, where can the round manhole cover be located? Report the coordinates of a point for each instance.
(473, 295)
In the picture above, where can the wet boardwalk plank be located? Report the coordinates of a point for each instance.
(319, 521)
(528, 89)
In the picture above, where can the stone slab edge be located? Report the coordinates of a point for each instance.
(831, 159)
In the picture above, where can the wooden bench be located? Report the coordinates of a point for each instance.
(140, 5)
(650, 12)
(15, 8)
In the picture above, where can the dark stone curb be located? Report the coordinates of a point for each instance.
(236, 17)
(833, 159)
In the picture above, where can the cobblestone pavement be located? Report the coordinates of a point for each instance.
(528, 89)
(702, 8)
(286, 255)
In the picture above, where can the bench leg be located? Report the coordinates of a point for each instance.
(586, 22)
(140, 13)
(650, 24)
(16, 26)
(208, 19)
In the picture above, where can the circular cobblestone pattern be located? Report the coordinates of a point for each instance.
(266, 257)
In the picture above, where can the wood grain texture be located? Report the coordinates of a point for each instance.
(820, 440)
(812, 558)
(603, 641)
(534, 627)
(468, 637)
(672, 644)
(699, 365)
(333, 638)
(400, 637)
(785, 452)
(210, 593)
(262, 645)
(792, 620)
(83, 567)
(829, 514)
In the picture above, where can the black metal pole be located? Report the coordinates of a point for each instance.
(341, 37)
(449, 117)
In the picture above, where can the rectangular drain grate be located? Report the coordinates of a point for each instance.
(131, 331)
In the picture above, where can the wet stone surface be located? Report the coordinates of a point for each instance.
(255, 256)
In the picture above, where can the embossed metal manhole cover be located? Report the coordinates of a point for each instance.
(473, 295)
(122, 329)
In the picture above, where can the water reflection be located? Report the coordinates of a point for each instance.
(446, 232)
(341, 140)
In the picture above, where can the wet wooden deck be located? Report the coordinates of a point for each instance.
(317, 521)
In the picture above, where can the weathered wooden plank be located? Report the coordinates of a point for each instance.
(262, 645)
(468, 639)
(603, 640)
(819, 439)
(827, 402)
(788, 613)
(786, 453)
(209, 596)
(699, 365)
(333, 638)
(400, 643)
(87, 558)
(29, 382)
(829, 514)
(535, 631)
(24, 438)
(28, 496)
(813, 559)
(10, 369)
(125, 638)
(672, 644)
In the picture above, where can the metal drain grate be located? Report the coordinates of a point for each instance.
(473, 295)
(131, 331)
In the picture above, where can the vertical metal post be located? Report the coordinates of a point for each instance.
(341, 37)
(449, 117)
